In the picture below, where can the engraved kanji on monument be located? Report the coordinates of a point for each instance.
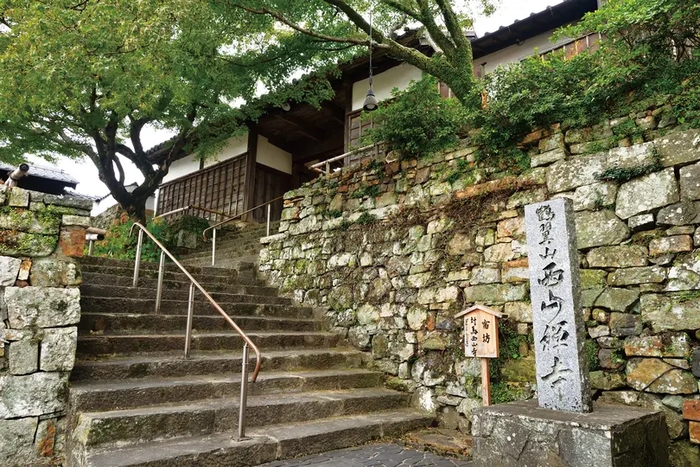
(562, 371)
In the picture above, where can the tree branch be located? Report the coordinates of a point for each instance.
(427, 19)
(453, 26)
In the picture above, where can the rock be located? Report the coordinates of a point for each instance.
(42, 306)
(499, 253)
(690, 182)
(625, 324)
(360, 336)
(616, 299)
(552, 142)
(546, 158)
(51, 272)
(519, 312)
(677, 214)
(621, 256)
(467, 406)
(58, 349)
(674, 422)
(684, 454)
(670, 312)
(519, 370)
(566, 175)
(635, 276)
(511, 228)
(666, 245)
(654, 375)
(596, 196)
(633, 197)
(495, 293)
(424, 399)
(678, 147)
(367, 315)
(485, 275)
(23, 357)
(610, 359)
(606, 380)
(599, 228)
(696, 362)
(522, 198)
(417, 318)
(666, 345)
(641, 222)
(32, 395)
(598, 331)
(18, 440)
(592, 278)
(460, 244)
(27, 244)
(515, 271)
(9, 269)
(35, 222)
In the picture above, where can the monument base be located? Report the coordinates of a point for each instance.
(521, 434)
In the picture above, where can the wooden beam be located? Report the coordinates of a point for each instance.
(251, 159)
(303, 127)
(337, 114)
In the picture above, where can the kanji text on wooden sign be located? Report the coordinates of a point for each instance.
(480, 331)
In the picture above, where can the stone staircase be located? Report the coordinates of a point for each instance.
(234, 248)
(136, 401)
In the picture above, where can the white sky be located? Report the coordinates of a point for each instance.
(507, 13)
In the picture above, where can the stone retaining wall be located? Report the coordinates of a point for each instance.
(39, 236)
(395, 249)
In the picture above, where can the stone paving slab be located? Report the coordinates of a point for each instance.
(373, 455)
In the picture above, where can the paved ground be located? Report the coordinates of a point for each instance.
(374, 455)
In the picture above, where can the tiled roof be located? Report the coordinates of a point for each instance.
(48, 173)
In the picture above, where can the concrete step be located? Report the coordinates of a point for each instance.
(265, 444)
(174, 365)
(121, 323)
(135, 344)
(87, 290)
(238, 285)
(111, 395)
(201, 307)
(119, 427)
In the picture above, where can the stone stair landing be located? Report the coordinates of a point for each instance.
(136, 401)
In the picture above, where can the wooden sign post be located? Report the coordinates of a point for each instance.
(481, 341)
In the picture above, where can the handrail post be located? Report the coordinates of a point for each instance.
(213, 247)
(244, 393)
(328, 168)
(137, 264)
(92, 244)
(190, 317)
(161, 273)
(269, 215)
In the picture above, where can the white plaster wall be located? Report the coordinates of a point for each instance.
(516, 53)
(274, 157)
(234, 147)
(397, 77)
(182, 167)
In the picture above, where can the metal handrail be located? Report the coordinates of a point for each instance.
(327, 162)
(190, 314)
(191, 206)
(237, 216)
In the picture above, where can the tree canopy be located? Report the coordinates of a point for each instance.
(84, 77)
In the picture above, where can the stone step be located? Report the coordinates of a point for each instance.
(135, 344)
(223, 276)
(238, 285)
(87, 290)
(111, 395)
(225, 251)
(201, 307)
(174, 365)
(91, 262)
(121, 323)
(119, 427)
(265, 444)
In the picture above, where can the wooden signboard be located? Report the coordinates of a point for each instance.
(481, 341)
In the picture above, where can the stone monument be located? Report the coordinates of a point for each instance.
(563, 428)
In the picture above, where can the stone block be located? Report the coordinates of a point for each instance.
(495, 293)
(690, 182)
(625, 324)
(549, 157)
(666, 245)
(694, 432)
(515, 271)
(53, 272)
(485, 275)
(595, 196)
(58, 349)
(656, 376)
(616, 299)
(679, 147)
(23, 356)
(633, 197)
(63, 201)
(17, 440)
(42, 306)
(27, 244)
(696, 362)
(521, 198)
(32, 395)
(18, 197)
(606, 380)
(9, 269)
(569, 174)
(621, 256)
(36, 222)
(599, 228)
(636, 276)
(520, 434)
(519, 312)
(674, 422)
(691, 410)
(669, 312)
(677, 214)
(666, 345)
(641, 222)
(499, 253)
